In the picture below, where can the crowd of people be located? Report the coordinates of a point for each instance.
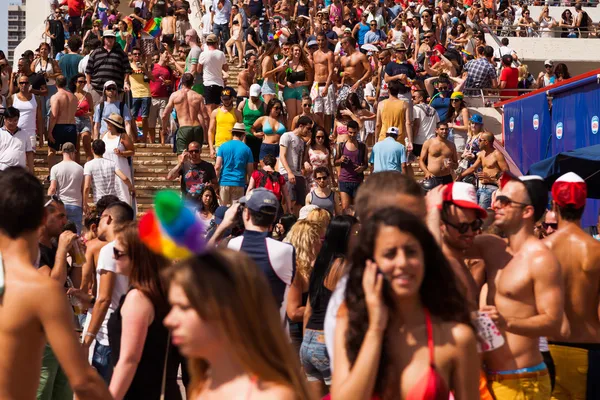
(321, 245)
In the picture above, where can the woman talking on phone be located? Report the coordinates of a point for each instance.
(404, 331)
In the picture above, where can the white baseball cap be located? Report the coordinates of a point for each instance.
(255, 90)
(392, 130)
(549, 62)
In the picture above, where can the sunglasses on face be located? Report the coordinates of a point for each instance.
(136, 54)
(306, 105)
(321, 178)
(194, 151)
(23, 83)
(320, 136)
(117, 254)
(464, 227)
(277, 108)
(553, 225)
(82, 82)
(505, 201)
(111, 89)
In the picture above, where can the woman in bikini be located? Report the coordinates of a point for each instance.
(418, 343)
(229, 331)
(269, 70)
(270, 128)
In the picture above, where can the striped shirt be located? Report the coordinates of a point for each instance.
(105, 65)
(103, 176)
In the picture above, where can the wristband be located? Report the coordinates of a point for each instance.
(92, 335)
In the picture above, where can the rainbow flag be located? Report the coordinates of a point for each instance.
(152, 27)
(129, 24)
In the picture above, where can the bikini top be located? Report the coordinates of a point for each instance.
(268, 129)
(431, 386)
(341, 129)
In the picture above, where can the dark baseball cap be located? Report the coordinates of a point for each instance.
(261, 200)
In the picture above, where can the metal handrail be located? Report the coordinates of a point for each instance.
(492, 29)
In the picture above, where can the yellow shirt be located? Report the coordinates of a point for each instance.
(139, 88)
(393, 113)
(225, 120)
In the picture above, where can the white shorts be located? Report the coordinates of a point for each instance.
(323, 102)
(156, 110)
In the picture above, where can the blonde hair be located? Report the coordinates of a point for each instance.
(226, 288)
(304, 236)
(321, 217)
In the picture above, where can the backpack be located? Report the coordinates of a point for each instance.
(270, 181)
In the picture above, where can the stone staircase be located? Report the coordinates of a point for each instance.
(151, 164)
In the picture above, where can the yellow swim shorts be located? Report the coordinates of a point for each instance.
(571, 372)
(523, 386)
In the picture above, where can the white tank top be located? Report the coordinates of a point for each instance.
(397, 36)
(28, 110)
(48, 68)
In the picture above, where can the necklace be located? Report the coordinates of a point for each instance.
(2, 284)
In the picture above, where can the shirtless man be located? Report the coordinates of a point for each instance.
(61, 128)
(579, 257)
(524, 290)
(493, 163)
(191, 114)
(461, 220)
(439, 157)
(322, 92)
(33, 307)
(168, 26)
(246, 78)
(357, 71)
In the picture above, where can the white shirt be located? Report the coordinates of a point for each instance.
(428, 119)
(221, 16)
(13, 148)
(83, 64)
(28, 113)
(206, 26)
(69, 182)
(103, 175)
(106, 262)
(212, 62)
(335, 301)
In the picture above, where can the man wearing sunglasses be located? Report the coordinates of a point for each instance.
(492, 164)
(461, 220)
(195, 173)
(579, 257)
(110, 104)
(525, 295)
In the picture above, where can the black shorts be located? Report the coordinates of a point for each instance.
(63, 133)
(169, 40)
(417, 149)
(212, 94)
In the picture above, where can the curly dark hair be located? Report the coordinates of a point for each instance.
(439, 291)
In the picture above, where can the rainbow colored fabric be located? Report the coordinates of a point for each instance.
(152, 27)
(172, 229)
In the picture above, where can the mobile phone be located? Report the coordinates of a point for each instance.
(430, 53)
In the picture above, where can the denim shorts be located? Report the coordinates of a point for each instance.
(268, 88)
(83, 124)
(314, 357)
(484, 195)
(143, 104)
(349, 188)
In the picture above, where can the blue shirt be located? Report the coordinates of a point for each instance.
(372, 37)
(441, 105)
(362, 31)
(110, 108)
(388, 155)
(236, 157)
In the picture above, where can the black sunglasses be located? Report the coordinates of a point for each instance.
(81, 82)
(464, 227)
(24, 83)
(321, 178)
(54, 197)
(112, 88)
(117, 254)
(193, 151)
(505, 201)
(553, 225)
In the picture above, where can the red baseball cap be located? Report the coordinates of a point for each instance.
(463, 195)
(570, 189)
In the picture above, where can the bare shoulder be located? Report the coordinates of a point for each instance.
(34, 288)
(462, 335)
(485, 240)
(273, 391)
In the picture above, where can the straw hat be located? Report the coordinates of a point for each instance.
(116, 120)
